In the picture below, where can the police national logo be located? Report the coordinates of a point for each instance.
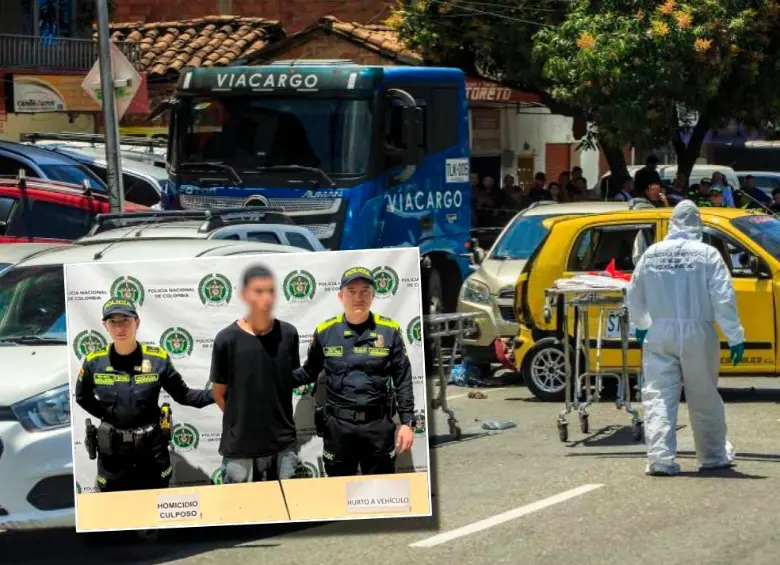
(185, 437)
(385, 281)
(299, 286)
(215, 290)
(177, 342)
(87, 342)
(419, 423)
(216, 476)
(128, 288)
(304, 390)
(414, 331)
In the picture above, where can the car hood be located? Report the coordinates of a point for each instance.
(28, 371)
(498, 274)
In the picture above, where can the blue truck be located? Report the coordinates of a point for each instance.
(365, 157)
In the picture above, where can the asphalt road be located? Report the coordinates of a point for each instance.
(587, 500)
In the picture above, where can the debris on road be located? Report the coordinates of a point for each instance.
(498, 425)
(476, 394)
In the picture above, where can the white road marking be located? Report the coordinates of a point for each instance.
(505, 517)
(480, 390)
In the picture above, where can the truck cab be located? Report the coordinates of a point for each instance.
(365, 157)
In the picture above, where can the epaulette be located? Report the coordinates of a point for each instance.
(329, 322)
(99, 353)
(385, 321)
(154, 351)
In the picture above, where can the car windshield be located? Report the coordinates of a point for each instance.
(763, 229)
(252, 132)
(32, 305)
(521, 239)
(75, 174)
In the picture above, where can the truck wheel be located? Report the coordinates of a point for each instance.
(543, 370)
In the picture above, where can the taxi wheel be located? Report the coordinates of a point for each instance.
(543, 370)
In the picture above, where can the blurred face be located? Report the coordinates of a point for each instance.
(122, 329)
(716, 198)
(488, 183)
(509, 180)
(260, 295)
(628, 185)
(555, 190)
(679, 182)
(717, 178)
(750, 183)
(652, 165)
(776, 197)
(576, 173)
(704, 189)
(653, 191)
(357, 297)
(563, 179)
(539, 183)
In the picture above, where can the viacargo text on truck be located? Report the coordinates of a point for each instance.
(365, 157)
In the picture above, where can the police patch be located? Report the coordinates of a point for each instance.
(146, 366)
(379, 341)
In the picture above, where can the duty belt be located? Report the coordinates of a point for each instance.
(362, 414)
(128, 436)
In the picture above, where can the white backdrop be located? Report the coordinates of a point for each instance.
(184, 303)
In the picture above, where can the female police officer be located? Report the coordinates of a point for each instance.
(120, 385)
(362, 354)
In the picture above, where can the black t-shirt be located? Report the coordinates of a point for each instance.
(126, 363)
(258, 419)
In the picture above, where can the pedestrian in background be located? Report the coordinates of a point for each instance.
(647, 175)
(719, 181)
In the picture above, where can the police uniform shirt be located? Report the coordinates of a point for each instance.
(358, 362)
(124, 390)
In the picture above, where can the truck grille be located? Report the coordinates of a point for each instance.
(321, 231)
(508, 313)
(291, 205)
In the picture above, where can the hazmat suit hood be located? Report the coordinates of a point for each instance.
(685, 222)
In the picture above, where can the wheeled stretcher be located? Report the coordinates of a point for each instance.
(586, 382)
(437, 327)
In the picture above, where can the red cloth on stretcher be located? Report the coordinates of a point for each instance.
(611, 272)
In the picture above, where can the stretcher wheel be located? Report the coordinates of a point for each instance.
(455, 431)
(637, 431)
(563, 431)
(584, 424)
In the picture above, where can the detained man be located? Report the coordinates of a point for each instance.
(680, 343)
(251, 371)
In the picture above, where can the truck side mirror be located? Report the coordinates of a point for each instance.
(412, 120)
(163, 107)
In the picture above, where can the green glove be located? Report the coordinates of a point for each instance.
(735, 353)
(640, 336)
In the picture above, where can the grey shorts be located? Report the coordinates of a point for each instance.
(285, 463)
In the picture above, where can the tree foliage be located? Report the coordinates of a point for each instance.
(493, 38)
(644, 70)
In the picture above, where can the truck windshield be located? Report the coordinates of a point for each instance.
(32, 305)
(521, 239)
(249, 133)
(763, 229)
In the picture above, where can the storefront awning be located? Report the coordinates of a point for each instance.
(480, 91)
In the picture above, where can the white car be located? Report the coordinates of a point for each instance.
(278, 234)
(668, 172)
(143, 183)
(12, 253)
(36, 457)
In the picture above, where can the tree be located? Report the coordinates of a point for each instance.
(492, 38)
(651, 73)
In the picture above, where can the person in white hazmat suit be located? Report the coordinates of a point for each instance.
(679, 289)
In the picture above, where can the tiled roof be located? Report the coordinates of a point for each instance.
(380, 38)
(168, 47)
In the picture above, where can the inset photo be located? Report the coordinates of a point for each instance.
(248, 389)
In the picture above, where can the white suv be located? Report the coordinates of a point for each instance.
(36, 453)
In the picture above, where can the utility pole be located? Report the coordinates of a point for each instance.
(116, 192)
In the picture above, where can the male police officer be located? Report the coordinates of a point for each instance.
(363, 355)
(120, 385)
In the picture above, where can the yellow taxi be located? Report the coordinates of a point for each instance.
(749, 242)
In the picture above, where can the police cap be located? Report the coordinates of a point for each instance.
(119, 307)
(355, 274)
